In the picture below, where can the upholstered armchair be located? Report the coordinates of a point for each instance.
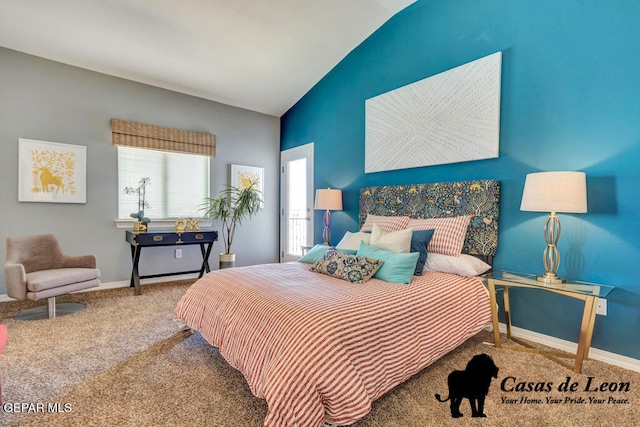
(36, 268)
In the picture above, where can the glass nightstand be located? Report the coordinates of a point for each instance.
(588, 292)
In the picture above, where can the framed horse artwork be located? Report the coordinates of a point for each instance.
(51, 172)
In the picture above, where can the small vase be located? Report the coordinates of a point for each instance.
(227, 260)
(139, 226)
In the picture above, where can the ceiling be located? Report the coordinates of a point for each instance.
(261, 55)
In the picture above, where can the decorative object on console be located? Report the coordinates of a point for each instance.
(140, 191)
(554, 192)
(328, 200)
(193, 224)
(51, 172)
(181, 225)
(232, 206)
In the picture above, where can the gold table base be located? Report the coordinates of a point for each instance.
(586, 327)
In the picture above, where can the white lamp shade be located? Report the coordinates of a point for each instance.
(555, 192)
(329, 199)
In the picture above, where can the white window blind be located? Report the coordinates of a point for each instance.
(179, 182)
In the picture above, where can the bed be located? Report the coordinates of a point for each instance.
(320, 349)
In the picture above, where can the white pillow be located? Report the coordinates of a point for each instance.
(463, 264)
(352, 240)
(394, 241)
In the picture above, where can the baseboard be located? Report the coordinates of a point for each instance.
(123, 284)
(571, 347)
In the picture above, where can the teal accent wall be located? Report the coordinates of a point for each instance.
(570, 101)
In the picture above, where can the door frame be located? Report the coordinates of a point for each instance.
(302, 151)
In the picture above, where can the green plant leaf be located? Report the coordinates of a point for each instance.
(231, 207)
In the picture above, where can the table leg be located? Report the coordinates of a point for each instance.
(586, 331)
(507, 309)
(494, 313)
(133, 257)
(205, 259)
(135, 274)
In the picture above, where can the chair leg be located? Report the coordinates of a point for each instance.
(51, 307)
(50, 311)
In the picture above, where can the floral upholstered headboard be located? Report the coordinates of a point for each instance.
(480, 198)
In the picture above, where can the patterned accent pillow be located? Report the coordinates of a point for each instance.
(448, 236)
(387, 223)
(353, 268)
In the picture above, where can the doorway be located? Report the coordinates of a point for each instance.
(296, 201)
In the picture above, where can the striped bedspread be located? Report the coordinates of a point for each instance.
(321, 349)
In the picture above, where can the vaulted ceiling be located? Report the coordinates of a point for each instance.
(261, 55)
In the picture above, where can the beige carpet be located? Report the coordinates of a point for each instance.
(124, 361)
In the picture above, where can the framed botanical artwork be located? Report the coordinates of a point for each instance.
(244, 176)
(51, 172)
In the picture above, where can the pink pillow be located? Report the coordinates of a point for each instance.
(386, 223)
(448, 235)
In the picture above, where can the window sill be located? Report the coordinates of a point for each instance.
(160, 224)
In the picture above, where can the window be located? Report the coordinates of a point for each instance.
(178, 182)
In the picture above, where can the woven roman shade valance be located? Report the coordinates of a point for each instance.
(141, 135)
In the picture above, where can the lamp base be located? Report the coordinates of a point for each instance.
(326, 233)
(550, 278)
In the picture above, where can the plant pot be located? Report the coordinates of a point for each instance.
(227, 260)
(139, 226)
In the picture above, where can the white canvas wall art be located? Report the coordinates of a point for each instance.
(450, 117)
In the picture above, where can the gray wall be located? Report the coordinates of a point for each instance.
(49, 101)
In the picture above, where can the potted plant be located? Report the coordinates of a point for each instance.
(232, 206)
(142, 221)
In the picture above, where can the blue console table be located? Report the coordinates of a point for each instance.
(143, 239)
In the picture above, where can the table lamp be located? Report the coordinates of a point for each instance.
(554, 192)
(328, 200)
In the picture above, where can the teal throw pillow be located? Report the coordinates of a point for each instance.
(316, 252)
(397, 267)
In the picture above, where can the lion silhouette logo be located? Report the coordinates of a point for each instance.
(472, 383)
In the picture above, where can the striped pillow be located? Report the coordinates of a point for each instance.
(449, 234)
(386, 223)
